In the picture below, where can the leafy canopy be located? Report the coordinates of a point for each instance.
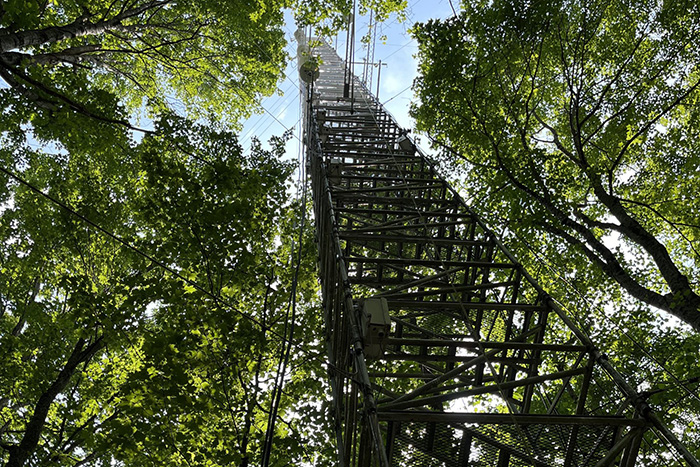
(156, 370)
(578, 127)
(575, 128)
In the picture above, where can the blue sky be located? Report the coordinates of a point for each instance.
(282, 112)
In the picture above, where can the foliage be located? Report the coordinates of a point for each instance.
(330, 16)
(75, 69)
(178, 374)
(107, 59)
(575, 120)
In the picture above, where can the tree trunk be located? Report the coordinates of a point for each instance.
(24, 39)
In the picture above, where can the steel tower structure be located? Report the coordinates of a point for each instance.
(442, 350)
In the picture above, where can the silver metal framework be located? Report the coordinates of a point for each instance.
(480, 367)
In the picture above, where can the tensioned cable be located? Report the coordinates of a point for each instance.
(254, 98)
(290, 317)
(489, 362)
(289, 322)
(453, 8)
(390, 23)
(274, 108)
(286, 341)
(658, 456)
(289, 341)
(255, 131)
(397, 95)
(269, 125)
(293, 84)
(160, 264)
(373, 33)
(399, 49)
(551, 267)
(169, 269)
(367, 46)
(586, 300)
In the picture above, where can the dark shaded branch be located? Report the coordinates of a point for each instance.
(30, 300)
(611, 267)
(82, 352)
(644, 128)
(27, 93)
(457, 154)
(674, 225)
(556, 140)
(638, 234)
(75, 106)
(609, 85)
(683, 302)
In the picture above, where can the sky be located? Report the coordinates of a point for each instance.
(282, 112)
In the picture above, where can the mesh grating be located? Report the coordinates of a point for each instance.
(427, 444)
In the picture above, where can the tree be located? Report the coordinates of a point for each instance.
(76, 68)
(162, 353)
(578, 125)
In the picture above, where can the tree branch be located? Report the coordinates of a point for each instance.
(611, 267)
(75, 106)
(674, 225)
(644, 128)
(82, 352)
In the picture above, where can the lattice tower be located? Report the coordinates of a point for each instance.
(442, 350)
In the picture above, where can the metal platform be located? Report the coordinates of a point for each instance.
(476, 365)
